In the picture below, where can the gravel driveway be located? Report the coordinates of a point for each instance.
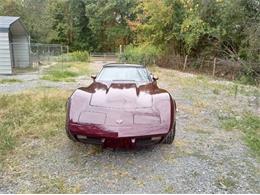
(203, 159)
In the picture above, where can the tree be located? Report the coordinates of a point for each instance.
(71, 25)
(82, 33)
(109, 22)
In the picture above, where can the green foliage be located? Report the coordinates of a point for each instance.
(247, 79)
(193, 28)
(157, 19)
(210, 28)
(3, 81)
(70, 25)
(109, 22)
(250, 125)
(81, 56)
(36, 19)
(144, 54)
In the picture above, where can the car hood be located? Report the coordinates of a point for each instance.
(120, 105)
(121, 96)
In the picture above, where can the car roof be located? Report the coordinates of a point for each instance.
(123, 65)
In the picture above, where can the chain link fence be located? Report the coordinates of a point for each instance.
(220, 66)
(104, 56)
(30, 57)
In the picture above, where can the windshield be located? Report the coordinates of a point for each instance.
(136, 74)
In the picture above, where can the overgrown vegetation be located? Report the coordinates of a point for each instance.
(3, 81)
(76, 56)
(65, 71)
(144, 54)
(226, 29)
(249, 124)
(32, 114)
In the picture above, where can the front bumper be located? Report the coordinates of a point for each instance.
(118, 137)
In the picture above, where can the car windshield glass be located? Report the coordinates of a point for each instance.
(136, 74)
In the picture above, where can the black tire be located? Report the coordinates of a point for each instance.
(70, 136)
(170, 136)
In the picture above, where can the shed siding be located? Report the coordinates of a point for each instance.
(21, 51)
(5, 61)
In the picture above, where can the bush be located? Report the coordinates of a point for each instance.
(81, 56)
(248, 76)
(144, 54)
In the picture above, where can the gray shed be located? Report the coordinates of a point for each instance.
(14, 44)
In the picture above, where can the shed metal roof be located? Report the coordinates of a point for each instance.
(14, 24)
(6, 21)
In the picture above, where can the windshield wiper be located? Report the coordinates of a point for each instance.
(125, 80)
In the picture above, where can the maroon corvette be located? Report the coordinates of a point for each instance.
(123, 107)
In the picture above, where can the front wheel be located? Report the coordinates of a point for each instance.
(170, 136)
(70, 136)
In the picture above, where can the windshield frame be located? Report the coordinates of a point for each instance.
(149, 78)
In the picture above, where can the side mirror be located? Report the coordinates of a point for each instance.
(155, 78)
(93, 76)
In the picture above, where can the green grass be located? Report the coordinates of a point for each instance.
(169, 190)
(204, 83)
(32, 114)
(226, 183)
(56, 185)
(59, 75)
(4, 81)
(249, 124)
(65, 72)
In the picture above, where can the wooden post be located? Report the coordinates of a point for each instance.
(49, 54)
(61, 51)
(185, 62)
(236, 90)
(256, 94)
(201, 63)
(120, 49)
(214, 67)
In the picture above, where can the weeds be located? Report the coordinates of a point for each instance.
(169, 189)
(144, 54)
(81, 56)
(30, 114)
(65, 72)
(249, 124)
(3, 81)
(57, 185)
(59, 75)
(226, 182)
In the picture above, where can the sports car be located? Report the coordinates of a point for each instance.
(122, 107)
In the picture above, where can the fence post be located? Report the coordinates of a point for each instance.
(38, 57)
(214, 67)
(256, 93)
(48, 54)
(61, 50)
(236, 90)
(185, 62)
(201, 63)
